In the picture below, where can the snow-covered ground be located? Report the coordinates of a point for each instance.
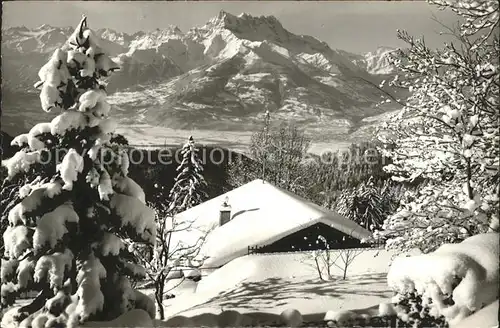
(272, 283)
(274, 295)
(486, 317)
(262, 286)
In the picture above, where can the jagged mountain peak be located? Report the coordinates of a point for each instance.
(381, 51)
(230, 33)
(377, 62)
(44, 27)
(15, 30)
(109, 33)
(175, 28)
(228, 19)
(42, 39)
(155, 38)
(24, 31)
(243, 23)
(19, 28)
(107, 30)
(169, 30)
(222, 15)
(114, 41)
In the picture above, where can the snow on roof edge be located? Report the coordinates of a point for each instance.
(329, 217)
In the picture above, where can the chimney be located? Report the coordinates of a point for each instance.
(225, 212)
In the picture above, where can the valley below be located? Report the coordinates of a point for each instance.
(22, 112)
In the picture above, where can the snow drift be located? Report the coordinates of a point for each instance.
(467, 272)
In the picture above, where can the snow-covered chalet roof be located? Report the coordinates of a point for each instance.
(261, 213)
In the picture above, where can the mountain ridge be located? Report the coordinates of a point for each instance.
(227, 72)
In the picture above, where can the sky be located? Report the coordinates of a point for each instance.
(355, 26)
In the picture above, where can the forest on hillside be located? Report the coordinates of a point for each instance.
(352, 181)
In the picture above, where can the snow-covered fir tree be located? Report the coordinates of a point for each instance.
(75, 205)
(171, 257)
(368, 205)
(447, 133)
(190, 186)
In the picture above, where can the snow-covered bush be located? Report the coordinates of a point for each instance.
(292, 317)
(74, 204)
(415, 313)
(437, 289)
(452, 282)
(229, 318)
(407, 314)
(447, 133)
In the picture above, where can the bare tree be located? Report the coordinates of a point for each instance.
(278, 155)
(169, 257)
(316, 256)
(345, 259)
(166, 256)
(327, 258)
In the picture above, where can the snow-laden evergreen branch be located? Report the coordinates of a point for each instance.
(72, 204)
(447, 133)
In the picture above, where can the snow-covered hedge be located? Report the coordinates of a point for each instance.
(438, 289)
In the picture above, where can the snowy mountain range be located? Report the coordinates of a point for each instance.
(222, 75)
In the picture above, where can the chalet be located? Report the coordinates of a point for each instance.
(260, 217)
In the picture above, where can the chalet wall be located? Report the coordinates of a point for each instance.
(307, 239)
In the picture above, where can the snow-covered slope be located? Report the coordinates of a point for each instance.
(252, 64)
(486, 317)
(377, 62)
(42, 39)
(274, 282)
(231, 69)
